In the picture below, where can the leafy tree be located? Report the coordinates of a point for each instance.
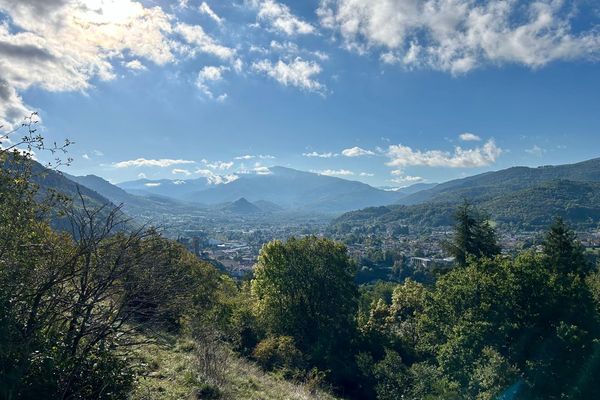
(304, 288)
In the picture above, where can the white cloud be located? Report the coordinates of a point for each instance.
(64, 45)
(335, 172)
(220, 165)
(469, 137)
(298, 73)
(98, 153)
(85, 156)
(536, 151)
(461, 35)
(366, 174)
(280, 18)
(142, 175)
(215, 179)
(152, 184)
(320, 155)
(202, 42)
(261, 170)
(209, 75)
(135, 65)
(406, 180)
(205, 9)
(180, 171)
(72, 42)
(402, 156)
(143, 162)
(357, 152)
(259, 156)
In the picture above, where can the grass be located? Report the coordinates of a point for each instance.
(171, 373)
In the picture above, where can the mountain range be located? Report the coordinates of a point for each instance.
(521, 197)
(284, 188)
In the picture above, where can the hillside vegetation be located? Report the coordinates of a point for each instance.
(532, 207)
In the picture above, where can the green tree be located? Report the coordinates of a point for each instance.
(473, 235)
(304, 288)
(563, 251)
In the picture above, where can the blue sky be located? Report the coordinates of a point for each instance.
(389, 92)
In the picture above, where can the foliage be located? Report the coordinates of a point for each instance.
(304, 289)
(473, 236)
(279, 353)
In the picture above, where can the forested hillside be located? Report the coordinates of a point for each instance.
(529, 208)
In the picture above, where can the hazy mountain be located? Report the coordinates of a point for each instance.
(490, 184)
(284, 187)
(268, 207)
(132, 203)
(241, 206)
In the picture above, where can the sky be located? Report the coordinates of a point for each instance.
(388, 92)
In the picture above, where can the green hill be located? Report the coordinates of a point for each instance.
(530, 208)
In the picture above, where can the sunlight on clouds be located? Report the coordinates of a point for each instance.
(98, 33)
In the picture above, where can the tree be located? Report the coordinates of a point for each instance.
(473, 235)
(71, 301)
(563, 251)
(304, 288)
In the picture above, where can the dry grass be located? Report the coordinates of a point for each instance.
(172, 373)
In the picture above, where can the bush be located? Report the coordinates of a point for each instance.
(207, 392)
(279, 353)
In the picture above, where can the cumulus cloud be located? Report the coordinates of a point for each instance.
(207, 76)
(215, 179)
(297, 73)
(135, 65)
(279, 17)
(460, 35)
(356, 152)
(320, 155)
(402, 156)
(469, 137)
(205, 9)
(99, 34)
(366, 174)
(200, 41)
(143, 162)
